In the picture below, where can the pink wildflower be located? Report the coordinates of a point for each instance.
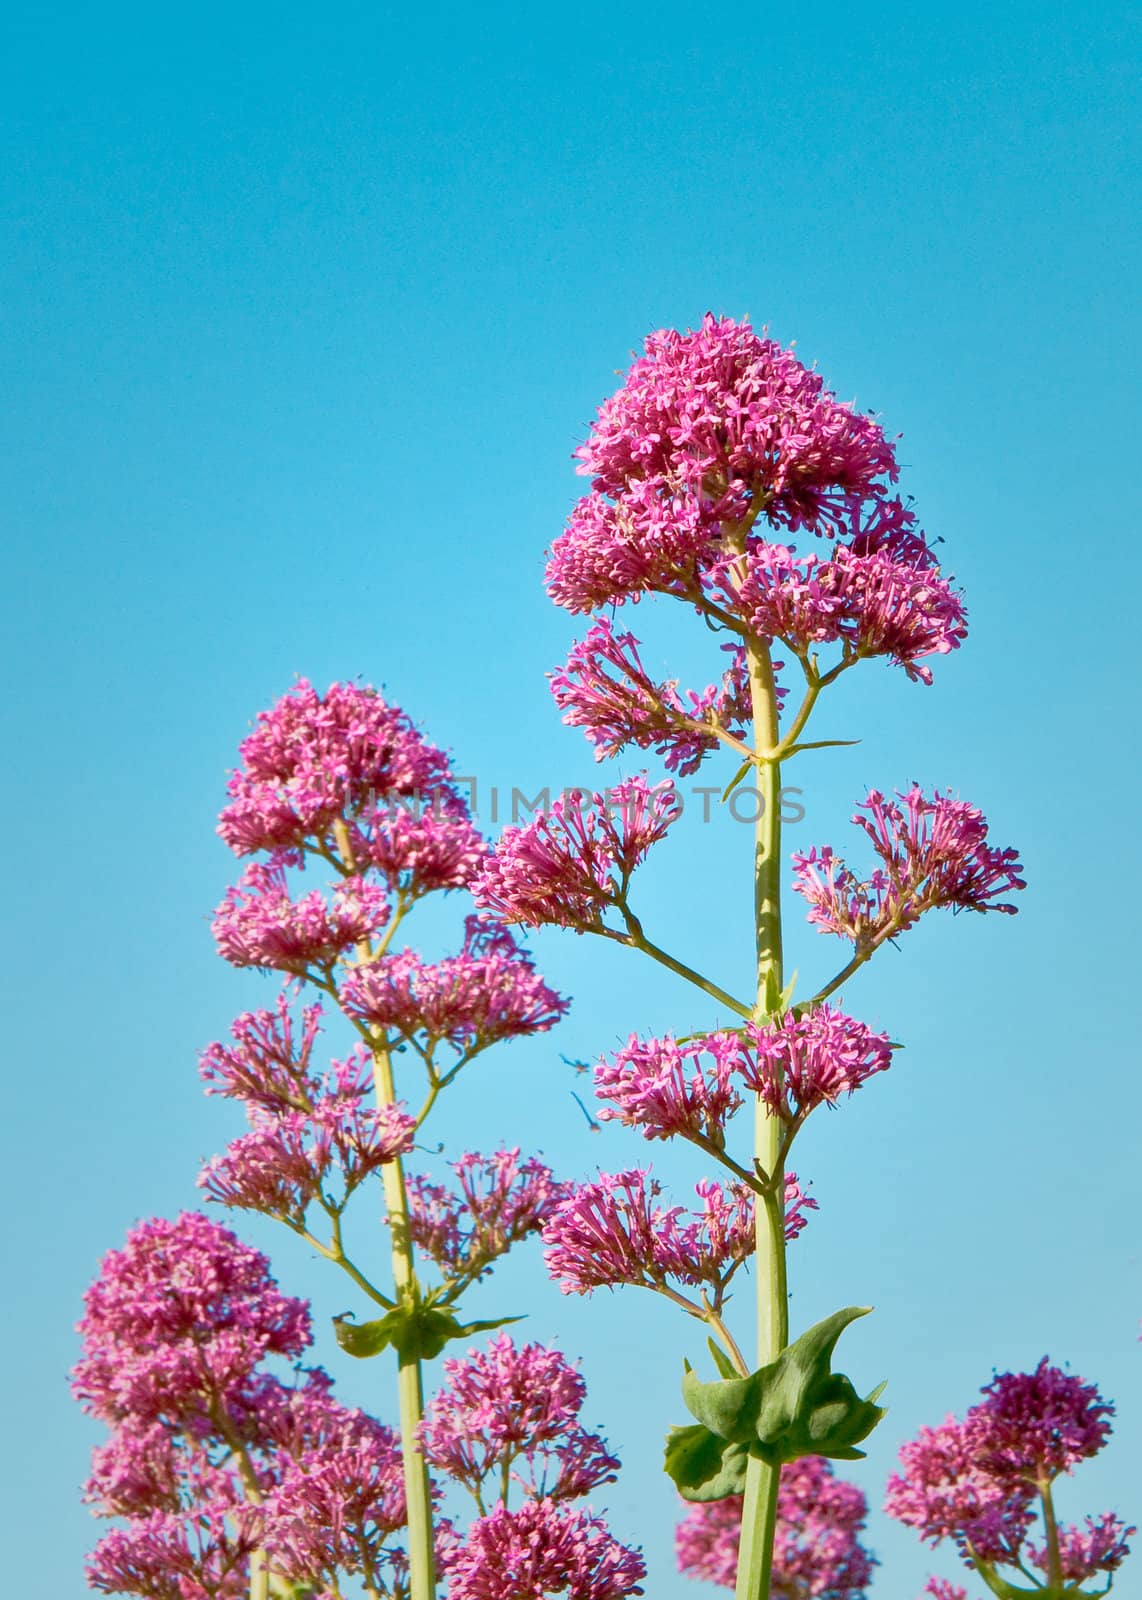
(979, 1480)
(258, 925)
(798, 1063)
(167, 1557)
(817, 1551)
(181, 1315)
(312, 759)
(669, 1089)
(265, 1067)
(491, 991)
(573, 862)
(612, 1231)
(543, 1549)
(507, 1410)
(605, 689)
(934, 853)
(286, 1162)
(501, 1201)
(710, 428)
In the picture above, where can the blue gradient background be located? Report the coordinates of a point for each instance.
(303, 313)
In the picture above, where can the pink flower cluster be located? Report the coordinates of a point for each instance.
(501, 1200)
(690, 1089)
(546, 1548)
(181, 1316)
(306, 1130)
(313, 758)
(613, 1231)
(709, 427)
(817, 1552)
(978, 1481)
(490, 991)
(211, 1457)
(713, 432)
(514, 1413)
(259, 925)
(605, 689)
(574, 862)
(889, 600)
(932, 853)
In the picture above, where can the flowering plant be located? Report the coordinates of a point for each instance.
(719, 451)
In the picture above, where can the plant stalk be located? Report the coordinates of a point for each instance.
(410, 1385)
(759, 1513)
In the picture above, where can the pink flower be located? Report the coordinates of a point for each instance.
(312, 759)
(943, 1492)
(338, 1500)
(491, 991)
(1032, 1426)
(168, 1557)
(612, 1231)
(933, 853)
(258, 925)
(798, 1063)
(179, 1317)
(886, 601)
(817, 1551)
(1100, 1547)
(543, 1549)
(286, 1162)
(501, 1201)
(265, 1066)
(573, 862)
(669, 1089)
(420, 852)
(503, 1409)
(978, 1481)
(605, 689)
(710, 427)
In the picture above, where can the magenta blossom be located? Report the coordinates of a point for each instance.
(613, 1231)
(182, 1315)
(514, 1411)
(799, 1062)
(258, 925)
(490, 991)
(501, 1200)
(817, 1552)
(574, 862)
(981, 1482)
(312, 758)
(710, 428)
(933, 853)
(605, 689)
(671, 1089)
(543, 1549)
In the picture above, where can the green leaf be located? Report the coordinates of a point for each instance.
(467, 1329)
(417, 1332)
(703, 1466)
(795, 1406)
(721, 1360)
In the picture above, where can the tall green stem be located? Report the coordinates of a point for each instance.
(410, 1386)
(759, 1514)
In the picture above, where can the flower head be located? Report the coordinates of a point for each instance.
(258, 925)
(572, 863)
(932, 853)
(543, 1549)
(817, 1551)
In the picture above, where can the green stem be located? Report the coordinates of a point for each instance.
(637, 940)
(759, 1516)
(1054, 1558)
(410, 1386)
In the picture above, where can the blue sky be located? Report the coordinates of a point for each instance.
(303, 313)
